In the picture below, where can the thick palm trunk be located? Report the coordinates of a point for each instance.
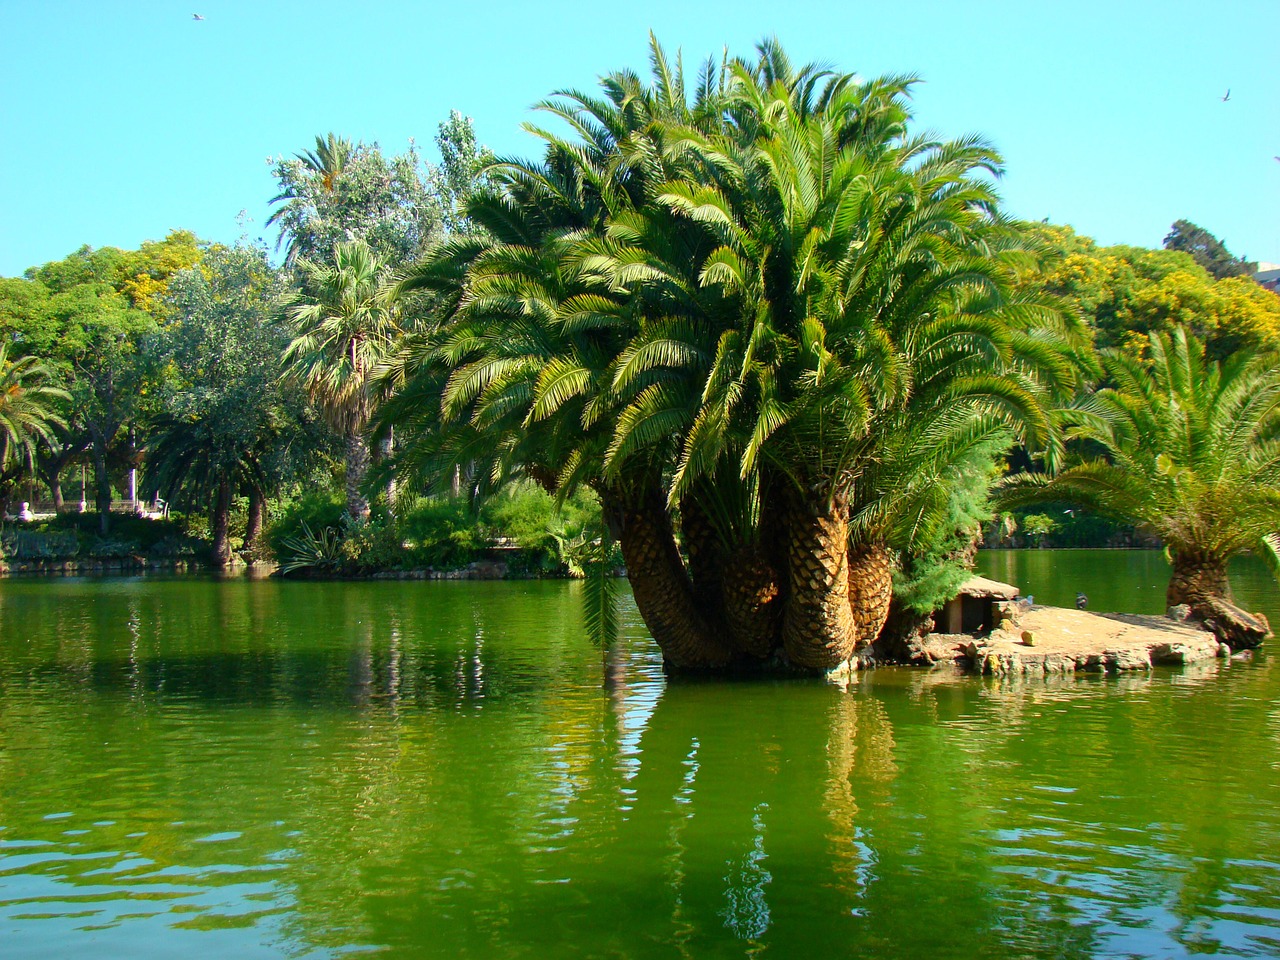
(662, 589)
(870, 589)
(221, 524)
(1200, 581)
(706, 559)
(752, 594)
(1197, 576)
(357, 462)
(818, 627)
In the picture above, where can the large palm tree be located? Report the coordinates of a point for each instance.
(726, 310)
(28, 409)
(873, 278)
(343, 326)
(1191, 453)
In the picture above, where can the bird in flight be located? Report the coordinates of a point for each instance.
(1226, 96)
(196, 16)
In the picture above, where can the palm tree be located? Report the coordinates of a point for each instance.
(730, 310)
(1191, 453)
(27, 412)
(327, 162)
(343, 326)
(873, 278)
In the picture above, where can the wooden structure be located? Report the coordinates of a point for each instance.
(973, 608)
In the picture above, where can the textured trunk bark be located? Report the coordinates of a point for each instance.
(257, 517)
(221, 524)
(1197, 577)
(55, 491)
(870, 589)
(662, 589)
(357, 457)
(752, 593)
(818, 628)
(706, 559)
(1200, 581)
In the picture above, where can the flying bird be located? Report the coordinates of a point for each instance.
(1226, 96)
(196, 16)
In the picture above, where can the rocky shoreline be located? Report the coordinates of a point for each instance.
(1076, 641)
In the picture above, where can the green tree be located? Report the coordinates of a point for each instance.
(224, 418)
(1192, 454)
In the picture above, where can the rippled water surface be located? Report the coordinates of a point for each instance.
(196, 768)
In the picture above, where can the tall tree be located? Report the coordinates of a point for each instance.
(343, 324)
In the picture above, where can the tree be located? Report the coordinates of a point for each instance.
(224, 416)
(733, 309)
(343, 325)
(28, 411)
(1192, 454)
(1208, 251)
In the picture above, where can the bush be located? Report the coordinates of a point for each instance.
(306, 516)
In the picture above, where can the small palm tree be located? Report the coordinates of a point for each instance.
(27, 413)
(1192, 453)
(343, 326)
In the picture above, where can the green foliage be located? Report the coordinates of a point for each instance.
(317, 550)
(1207, 250)
(315, 510)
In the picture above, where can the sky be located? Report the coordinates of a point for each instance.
(121, 120)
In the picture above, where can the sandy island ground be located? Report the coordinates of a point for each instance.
(1069, 640)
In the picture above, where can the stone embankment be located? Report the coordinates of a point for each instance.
(1044, 640)
(88, 566)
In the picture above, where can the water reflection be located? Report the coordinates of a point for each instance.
(454, 772)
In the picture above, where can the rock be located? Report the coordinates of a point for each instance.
(1179, 612)
(1174, 654)
(1028, 638)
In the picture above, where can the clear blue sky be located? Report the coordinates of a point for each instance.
(121, 120)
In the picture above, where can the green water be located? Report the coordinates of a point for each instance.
(196, 768)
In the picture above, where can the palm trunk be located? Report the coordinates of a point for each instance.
(753, 602)
(357, 462)
(818, 626)
(706, 558)
(1200, 581)
(256, 519)
(221, 524)
(1197, 576)
(870, 589)
(662, 589)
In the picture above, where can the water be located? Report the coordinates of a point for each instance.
(195, 768)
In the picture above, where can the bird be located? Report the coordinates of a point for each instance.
(196, 16)
(1226, 96)
(1081, 601)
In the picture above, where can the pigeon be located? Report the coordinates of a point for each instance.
(196, 16)
(1226, 96)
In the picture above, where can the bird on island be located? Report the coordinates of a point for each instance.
(196, 16)
(1226, 96)
(1081, 601)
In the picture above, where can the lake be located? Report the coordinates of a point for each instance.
(208, 768)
